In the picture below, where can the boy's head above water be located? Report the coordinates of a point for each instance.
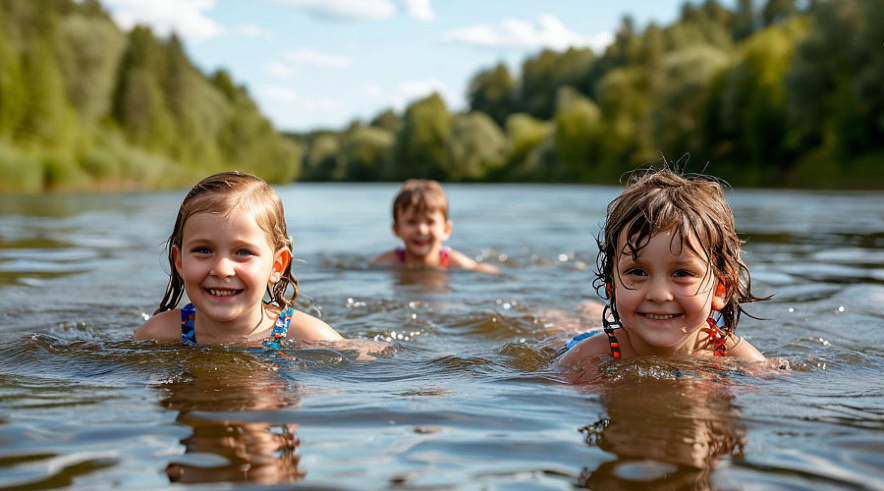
(420, 220)
(420, 196)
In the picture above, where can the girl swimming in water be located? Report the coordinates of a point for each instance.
(229, 246)
(670, 269)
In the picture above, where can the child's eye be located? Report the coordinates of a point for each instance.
(202, 250)
(244, 252)
(682, 274)
(635, 272)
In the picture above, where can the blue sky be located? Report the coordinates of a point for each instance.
(313, 64)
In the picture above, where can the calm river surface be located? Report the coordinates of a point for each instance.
(463, 398)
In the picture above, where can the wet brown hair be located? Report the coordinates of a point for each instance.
(220, 194)
(690, 205)
(424, 195)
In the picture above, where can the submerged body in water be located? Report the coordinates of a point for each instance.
(465, 398)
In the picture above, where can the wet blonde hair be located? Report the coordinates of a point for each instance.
(221, 194)
(424, 195)
(690, 205)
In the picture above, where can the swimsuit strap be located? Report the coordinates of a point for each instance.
(280, 329)
(717, 338)
(443, 255)
(188, 334)
(612, 339)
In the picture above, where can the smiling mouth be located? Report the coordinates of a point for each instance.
(222, 292)
(661, 317)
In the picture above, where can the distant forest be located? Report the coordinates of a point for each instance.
(775, 93)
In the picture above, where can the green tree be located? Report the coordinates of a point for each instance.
(524, 136)
(754, 109)
(623, 97)
(421, 148)
(322, 162)
(477, 146)
(49, 118)
(139, 104)
(493, 92)
(13, 91)
(387, 120)
(91, 48)
(366, 152)
(578, 136)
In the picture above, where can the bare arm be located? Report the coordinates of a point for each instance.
(743, 350)
(460, 261)
(164, 327)
(305, 327)
(386, 258)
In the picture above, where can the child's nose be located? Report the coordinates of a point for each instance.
(223, 267)
(659, 291)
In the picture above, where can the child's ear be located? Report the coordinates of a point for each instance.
(395, 228)
(448, 226)
(176, 259)
(282, 259)
(719, 298)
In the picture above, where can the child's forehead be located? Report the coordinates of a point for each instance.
(681, 243)
(238, 221)
(419, 211)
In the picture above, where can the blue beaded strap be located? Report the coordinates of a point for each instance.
(574, 342)
(280, 330)
(188, 333)
(274, 341)
(580, 337)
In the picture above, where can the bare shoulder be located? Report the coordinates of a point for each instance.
(305, 327)
(386, 258)
(591, 351)
(744, 350)
(163, 327)
(459, 260)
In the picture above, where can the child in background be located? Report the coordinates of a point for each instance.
(229, 246)
(420, 219)
(669, 262)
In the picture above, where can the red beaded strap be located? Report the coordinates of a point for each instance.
(717, 338)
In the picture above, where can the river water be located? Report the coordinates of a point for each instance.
(463, 398)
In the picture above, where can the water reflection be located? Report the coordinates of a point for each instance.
(667, 427)
(420, 280)
(231, 401)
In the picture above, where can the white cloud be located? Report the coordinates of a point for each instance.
(345, 9)
(185, 17)
(547, 32)
(308, 56)
(278, 94)
(373, 91)
(279, 69)
(253, 31)
(407, 93)
(292, 101)
(419, 9)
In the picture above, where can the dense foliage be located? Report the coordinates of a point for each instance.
(85, 106)
(777, 92)
(767, 95)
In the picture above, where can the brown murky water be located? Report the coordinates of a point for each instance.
(463, 399)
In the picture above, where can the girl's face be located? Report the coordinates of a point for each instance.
(665, 294)
(422, 233)
(226, 262)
